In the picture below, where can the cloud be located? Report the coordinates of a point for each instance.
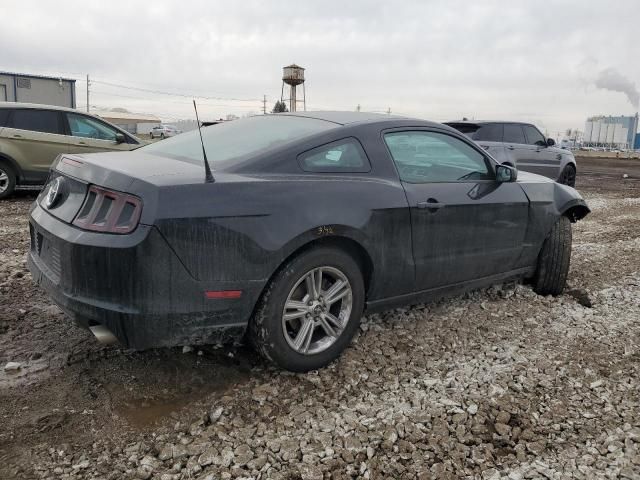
(436, 59)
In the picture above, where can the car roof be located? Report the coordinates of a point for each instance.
(346, 118)
(484, 122)
(37, 105)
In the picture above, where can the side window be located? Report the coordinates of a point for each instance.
(534, 137)
(45, 121)
(345, 156)
(513, 134)
(86, 127)
(490, 132)
(425, 157)
(4, 116)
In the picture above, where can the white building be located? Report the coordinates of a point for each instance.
(610, 132)
(136, 123)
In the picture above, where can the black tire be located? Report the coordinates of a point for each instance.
(266, 330)
(8, 184)
(554, 259)
(568, 176)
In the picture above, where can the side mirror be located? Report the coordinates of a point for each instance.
(120, 138)
(550, 142)
(505, 173)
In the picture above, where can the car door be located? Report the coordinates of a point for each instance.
(546, 160)
(91, 135)
(517, 152)
(36, 137)
(465, 224)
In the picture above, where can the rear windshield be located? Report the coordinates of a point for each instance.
(230, 142)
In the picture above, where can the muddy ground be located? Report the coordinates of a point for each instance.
(497, 383)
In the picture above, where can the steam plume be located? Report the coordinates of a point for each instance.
(611, 79)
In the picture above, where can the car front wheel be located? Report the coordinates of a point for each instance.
(554, 259)
(310, 311)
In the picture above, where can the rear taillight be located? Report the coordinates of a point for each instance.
(109, 211)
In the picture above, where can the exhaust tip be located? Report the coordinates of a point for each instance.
(103, 334)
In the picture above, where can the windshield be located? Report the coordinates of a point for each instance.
(229, 142)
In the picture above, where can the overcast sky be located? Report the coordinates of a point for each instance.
(440, 60)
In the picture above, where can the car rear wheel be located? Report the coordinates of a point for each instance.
(310, 310)
(554, 259)
(7, 181)
(568, 176)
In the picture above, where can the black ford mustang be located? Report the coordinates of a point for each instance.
(311, 219)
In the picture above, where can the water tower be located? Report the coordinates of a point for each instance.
(293, 75)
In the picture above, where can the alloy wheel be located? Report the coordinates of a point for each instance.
(4, 181)
(317, 310)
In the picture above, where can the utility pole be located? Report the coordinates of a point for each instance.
(358, 108)
(389, 111)
(88, 83)
(264, 105)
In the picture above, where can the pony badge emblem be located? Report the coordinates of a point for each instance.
(54, 193)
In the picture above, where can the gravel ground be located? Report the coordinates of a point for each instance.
(499, 383)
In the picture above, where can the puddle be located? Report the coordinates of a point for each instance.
(141, 413)
(171, 386)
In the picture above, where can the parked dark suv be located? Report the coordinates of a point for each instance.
(521, 145)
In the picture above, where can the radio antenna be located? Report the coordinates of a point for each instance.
(208, 176)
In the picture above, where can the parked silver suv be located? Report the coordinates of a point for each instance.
(523, 146)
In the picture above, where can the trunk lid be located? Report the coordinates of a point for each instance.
(135, 173)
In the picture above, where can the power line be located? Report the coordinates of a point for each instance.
(185, 95)
(110, 94)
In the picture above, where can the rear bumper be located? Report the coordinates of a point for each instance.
(134, 285)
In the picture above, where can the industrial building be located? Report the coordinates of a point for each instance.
(21, 87)
(611, 132)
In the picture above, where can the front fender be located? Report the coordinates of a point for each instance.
(548, 201)
(569, 202)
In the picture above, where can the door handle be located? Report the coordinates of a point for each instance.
(15, 135)
(511, 147)
(431, 204)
